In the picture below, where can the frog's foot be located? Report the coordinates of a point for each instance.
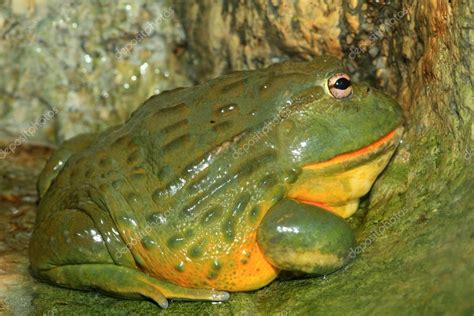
(125, 282)
(305, 238)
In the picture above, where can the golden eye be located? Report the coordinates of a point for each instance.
(340, 86)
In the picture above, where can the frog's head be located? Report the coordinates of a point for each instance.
(341, 136)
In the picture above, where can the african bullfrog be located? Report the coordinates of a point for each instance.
(216, 188)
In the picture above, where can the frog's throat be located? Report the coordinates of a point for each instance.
(338, 183)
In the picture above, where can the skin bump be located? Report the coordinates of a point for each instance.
(254, 213)
(228, 230)
(197, 250)
(228, 109)
(241, 204)
(137, 177)
(180, 125)
(177, 109)
(222, 127)
(180, 266)
(177, 143)
(291, 176)
(164, 173)
(216, 264)
(133, 198)
(116, 184)
(212, 274)
(148, 243)
(211, 216)
(176, 241)
(156, 218)
(269, 181)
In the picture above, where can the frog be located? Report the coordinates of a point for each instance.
(218, 187)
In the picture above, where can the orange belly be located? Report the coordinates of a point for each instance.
(244, 268)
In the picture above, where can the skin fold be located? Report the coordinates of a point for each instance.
(216, 188)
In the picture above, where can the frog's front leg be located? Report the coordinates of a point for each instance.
(305, 238)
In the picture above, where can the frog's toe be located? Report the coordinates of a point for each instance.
(182, 293)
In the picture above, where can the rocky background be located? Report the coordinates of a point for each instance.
(70, 67)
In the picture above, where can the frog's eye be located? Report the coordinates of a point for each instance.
(340, 86)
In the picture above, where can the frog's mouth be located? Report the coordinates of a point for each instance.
(338, 183)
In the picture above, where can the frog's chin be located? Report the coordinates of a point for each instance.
(338, 183)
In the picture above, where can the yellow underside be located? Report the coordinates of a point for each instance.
(338, 184)
(338, 192)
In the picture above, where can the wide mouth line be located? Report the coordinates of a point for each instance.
(377, 146)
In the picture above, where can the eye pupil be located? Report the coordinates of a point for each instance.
(342, 84)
